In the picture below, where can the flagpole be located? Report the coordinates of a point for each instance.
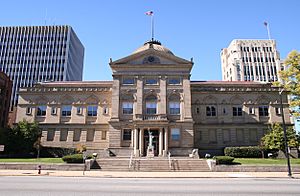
(152, 28)
(268, 30)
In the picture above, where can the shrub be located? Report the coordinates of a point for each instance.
(243, 152)
(56, 152)
(226, 160)
(75, 158)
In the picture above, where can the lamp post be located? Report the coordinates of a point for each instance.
(284, 135)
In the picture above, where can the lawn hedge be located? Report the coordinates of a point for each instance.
(226, 160)
(74, 158)
(243, 152)
(56, 152)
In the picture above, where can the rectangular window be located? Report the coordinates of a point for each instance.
(92, 110)
(175, 134)
(126, 134)
(237, 111)
(50, 134)
(251, 110)
(174, 107)
(53, 110)
(151, 107)
(79, 110)
(253, 135)
(103, 135)
(105, 110)
(128, 81)
(151, 81)
(263, 111)
(210, 111)
(174, 81)
(41, 110)
(76, 135)
(66, 110)
(90, 135)
(28, 111)
(278, 111)
(127, 107)
(63, 134)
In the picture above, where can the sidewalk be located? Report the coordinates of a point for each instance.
(111, 174)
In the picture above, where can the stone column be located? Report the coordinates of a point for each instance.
(187, 99)
(141, 141)
(135, 143)
(115, 98)
(166, 147)
(163, 96)
(160, 153)
(139, 96)
(132, 137)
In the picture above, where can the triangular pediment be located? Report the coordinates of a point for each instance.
(151, 57)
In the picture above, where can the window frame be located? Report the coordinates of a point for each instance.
(150, 83)
(237, 111)
(127, 110)
(128, 136)
(93, 112)
(174, 110)
(175, 134)
(64, 112)
(174, 79)
(40, 112)
(211, 111)
(124, 79)
(263, 111)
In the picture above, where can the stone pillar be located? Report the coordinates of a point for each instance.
(163, 96)
(141, 141)
(160, 153)
(132, 138)
(139, 96)
(115, 98)
(135, 143)
(187, 99)
(166, 147)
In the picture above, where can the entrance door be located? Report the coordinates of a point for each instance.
(155, 141)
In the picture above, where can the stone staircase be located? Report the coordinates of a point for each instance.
(152, 165)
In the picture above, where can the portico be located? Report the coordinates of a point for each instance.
(141, 140)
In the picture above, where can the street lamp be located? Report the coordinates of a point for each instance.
(284, 134)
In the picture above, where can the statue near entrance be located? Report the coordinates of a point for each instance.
(150, 149)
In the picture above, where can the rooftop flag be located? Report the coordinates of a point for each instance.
(149, 13)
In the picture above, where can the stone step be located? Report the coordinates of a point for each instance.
(155, 164)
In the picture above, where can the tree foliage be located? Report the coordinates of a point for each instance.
(274, 139)
(21, 138)
(292, 73)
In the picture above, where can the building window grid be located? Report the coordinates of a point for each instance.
(127, 107)
(237, 111)
(263, 110)
(126, 134)
(174, 107)
(41, 110)
(211, 111)
(66, 110)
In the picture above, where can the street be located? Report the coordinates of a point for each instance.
(41, 185)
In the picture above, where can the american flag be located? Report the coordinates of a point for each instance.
(149, 13)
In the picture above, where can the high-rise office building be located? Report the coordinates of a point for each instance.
(250, 60)
(5, 92)
(31, 54)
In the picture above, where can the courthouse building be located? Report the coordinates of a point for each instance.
(151, 95)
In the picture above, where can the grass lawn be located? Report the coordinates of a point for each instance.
(249, 161)
(32, 160)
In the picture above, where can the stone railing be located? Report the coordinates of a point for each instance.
(155, 117)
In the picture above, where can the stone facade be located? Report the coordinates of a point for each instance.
(151, 96)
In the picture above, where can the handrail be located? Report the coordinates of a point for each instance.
(130, 160)
(169, 158)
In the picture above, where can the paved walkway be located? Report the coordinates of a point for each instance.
(110, 174)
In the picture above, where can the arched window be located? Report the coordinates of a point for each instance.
(151, 104)
(127, 104)
(174, 105)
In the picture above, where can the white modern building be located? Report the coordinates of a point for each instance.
(250, 60)
(32, 54)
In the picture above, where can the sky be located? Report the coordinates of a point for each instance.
(189, 28)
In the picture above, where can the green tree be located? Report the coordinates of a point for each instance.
(292, 73)
(274, 139)
(22, 137)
